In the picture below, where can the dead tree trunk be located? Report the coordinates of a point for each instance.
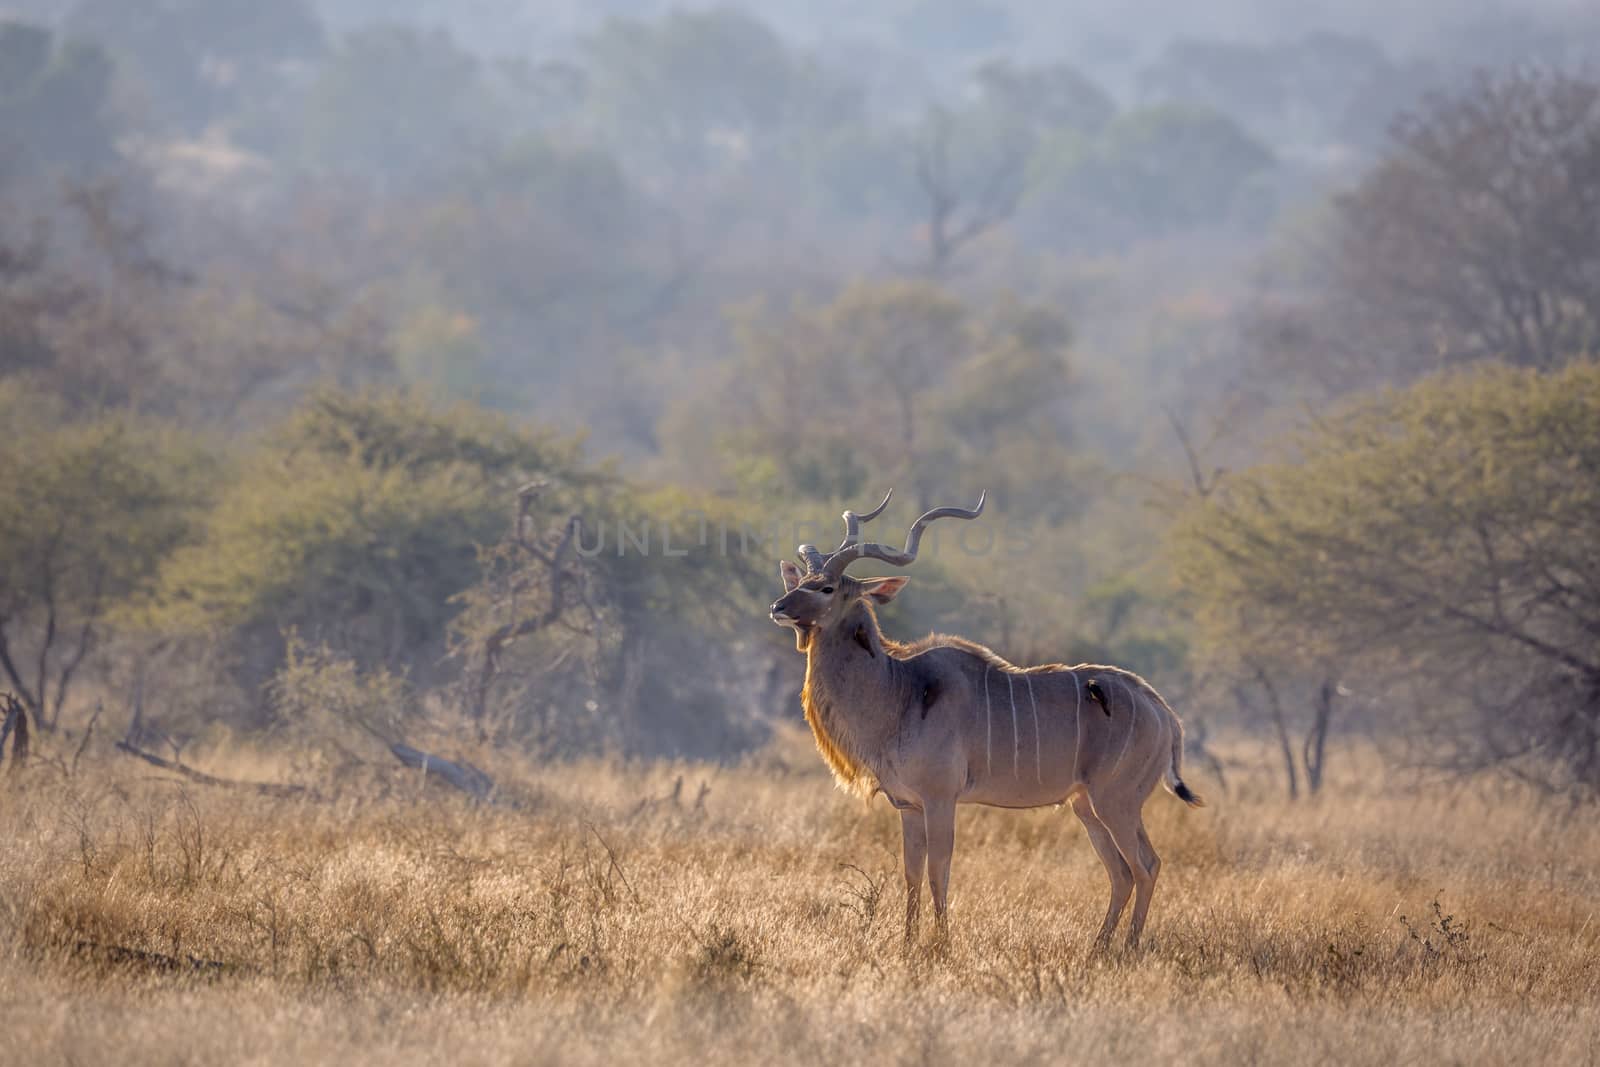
(16, 720)
(1282, 730)
(1313, 751)
(560, 568)
(960, 212)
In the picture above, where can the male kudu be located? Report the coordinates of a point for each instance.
(945, 721)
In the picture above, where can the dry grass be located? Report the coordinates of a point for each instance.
(600, 918)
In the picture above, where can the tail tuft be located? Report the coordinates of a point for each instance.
(1174, 775)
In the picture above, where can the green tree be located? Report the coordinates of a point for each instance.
(198, 59)
(54, 100)
(1049, 98)
(689, 79)
(856, 171)
(695, 89)
(1477, 237)
(890, 383)
(89, 511)
(971, 171)
(620, 619)
(1291, 91)
(543, 252)
(1150, 172)
(107, 322)
(392, 100)
(958, 27)
(356, 525)
(1432, 550)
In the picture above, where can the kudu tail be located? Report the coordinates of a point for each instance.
(1174, 776)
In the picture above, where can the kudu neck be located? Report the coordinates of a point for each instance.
(852, 646)
(851, 680)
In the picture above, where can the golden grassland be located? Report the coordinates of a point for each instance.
(597, 914)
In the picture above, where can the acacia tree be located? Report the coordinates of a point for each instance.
(1047, 98)
(194, 59)
(1437, 546)
(895, 381)
(88, 512)
(693, 90)
(355, 525)
(618, 618)
(971, 172)
(53, 101)
(1478, 237)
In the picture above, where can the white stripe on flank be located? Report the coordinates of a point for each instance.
(1016, 735)
(1077, 725)
(988, 718)
(1133, 709)
(1038, 766)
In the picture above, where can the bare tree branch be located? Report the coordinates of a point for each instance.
(1203, 485)
(993, 201)
(271, 789)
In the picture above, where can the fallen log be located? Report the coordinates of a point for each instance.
(457, 773)
(271, 789)
(136, 958)
(464, 776)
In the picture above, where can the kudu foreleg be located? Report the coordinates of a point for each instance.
(940, 817)
(914, 841)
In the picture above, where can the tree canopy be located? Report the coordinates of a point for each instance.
(88, 513)
(1477, 237)
(54, 100)
(891, 382)
(358, 524)
(1437, 545)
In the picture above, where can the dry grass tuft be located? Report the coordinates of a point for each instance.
(608, 914)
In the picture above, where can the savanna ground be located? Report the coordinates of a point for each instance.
(606, 912)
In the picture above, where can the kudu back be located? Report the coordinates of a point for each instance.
(945, 721)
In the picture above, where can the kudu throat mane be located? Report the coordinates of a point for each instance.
(842, 732)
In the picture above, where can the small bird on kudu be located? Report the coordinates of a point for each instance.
(945, 721)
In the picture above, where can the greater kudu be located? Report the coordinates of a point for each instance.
(945, 721)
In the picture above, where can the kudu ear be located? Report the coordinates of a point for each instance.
(791, 575)
(882, 590)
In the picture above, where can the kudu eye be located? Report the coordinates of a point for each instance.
(827, 590)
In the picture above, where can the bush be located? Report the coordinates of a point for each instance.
(356, 525)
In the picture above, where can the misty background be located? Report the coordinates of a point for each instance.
(344, 344)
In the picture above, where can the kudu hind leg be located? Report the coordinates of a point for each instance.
(1150, 860)
(914, 841)
(1127, 830)
(1116, 867)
